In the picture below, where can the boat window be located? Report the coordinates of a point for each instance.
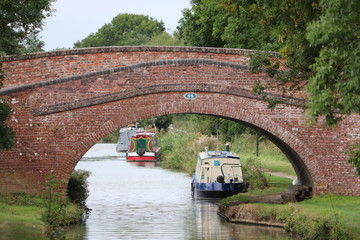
(216, 163)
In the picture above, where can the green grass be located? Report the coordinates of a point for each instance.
(277, 185)
(270, 156)
(20, 216)
(303, 217)
(348, 209)
(21, 222)
(180, 151)
(271, 161)
(345, 208)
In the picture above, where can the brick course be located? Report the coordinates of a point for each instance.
(64, 102)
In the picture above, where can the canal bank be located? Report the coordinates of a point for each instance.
(323, 217)
(22, 217)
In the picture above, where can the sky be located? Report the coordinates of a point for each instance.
(74, 20)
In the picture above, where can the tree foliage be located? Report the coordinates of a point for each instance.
(212, 126)
(227, 23)
(334, 85)
(7, 136)
(355, 157)
(124, 29)
(20, 19)
(32, 44)
(160, 122)
(318, 38)
(165, 39)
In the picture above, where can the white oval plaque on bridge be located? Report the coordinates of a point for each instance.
(190, 96)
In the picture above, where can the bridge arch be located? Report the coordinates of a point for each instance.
(65, 102)
(278, 135)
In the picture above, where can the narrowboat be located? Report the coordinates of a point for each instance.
(218, 174)
(125, 135)
(143, 147)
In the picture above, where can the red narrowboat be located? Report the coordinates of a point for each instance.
(143, 147)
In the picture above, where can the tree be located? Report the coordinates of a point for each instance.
(32, 44)
(7, 136)
(165, 39)
(227, 23)
(227, 130)
(124, 29)
(20, 21)
(160, 122)
(198, 24)
(334, 85)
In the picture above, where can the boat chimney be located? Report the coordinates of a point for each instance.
(206, 150)
(227, 147)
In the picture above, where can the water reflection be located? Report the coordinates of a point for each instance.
(145, 164)
(137, 202)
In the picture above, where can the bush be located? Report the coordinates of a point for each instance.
(253, 175)
(58, 212)
(77, 188)
(55, 203)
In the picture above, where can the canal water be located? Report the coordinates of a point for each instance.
(148, 202)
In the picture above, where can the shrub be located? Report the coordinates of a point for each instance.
(55, 203)
(253, 175)
(77, 188)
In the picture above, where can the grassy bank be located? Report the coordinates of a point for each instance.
(21, 222)
(21, 216)
(323, 217)
(270, 157)
(180, 151)
(277, 185)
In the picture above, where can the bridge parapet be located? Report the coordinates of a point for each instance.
(36, 67)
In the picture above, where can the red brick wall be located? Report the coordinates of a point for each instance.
(64, 102)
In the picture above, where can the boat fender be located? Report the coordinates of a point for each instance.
(220, 179)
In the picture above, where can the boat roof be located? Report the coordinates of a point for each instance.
(131, 127)
(144, 133)
(217, 154)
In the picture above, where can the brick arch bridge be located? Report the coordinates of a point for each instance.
(63, 102)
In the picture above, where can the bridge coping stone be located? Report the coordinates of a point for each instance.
(94, 50)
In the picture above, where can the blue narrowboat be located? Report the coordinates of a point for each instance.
(218, 174)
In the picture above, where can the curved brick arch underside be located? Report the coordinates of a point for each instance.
(235, 113)
(65, 102)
